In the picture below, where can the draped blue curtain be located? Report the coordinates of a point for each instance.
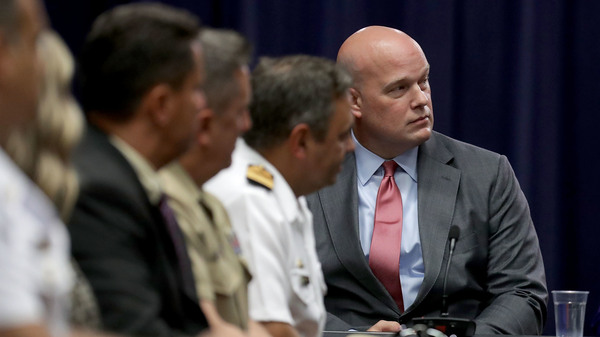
(516, 77)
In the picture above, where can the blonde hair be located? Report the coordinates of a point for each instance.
(42, 149)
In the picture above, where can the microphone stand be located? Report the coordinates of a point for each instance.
(460, 327)
(453, 239)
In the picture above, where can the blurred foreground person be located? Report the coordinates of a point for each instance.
(142, 89)
(301, 132)
(42, 150)
(220, 274)
(36, 277)
(34, 252)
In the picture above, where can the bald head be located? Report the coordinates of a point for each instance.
(391, 97)
(370, 47)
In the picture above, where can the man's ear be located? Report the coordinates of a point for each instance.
(355, 103)
(206, 124)
(158, 103)
(299, 140)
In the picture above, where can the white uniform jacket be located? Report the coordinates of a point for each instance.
(275, 231)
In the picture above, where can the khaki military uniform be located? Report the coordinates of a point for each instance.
(220, 273)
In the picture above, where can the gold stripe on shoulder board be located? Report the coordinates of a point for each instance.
(259, 175)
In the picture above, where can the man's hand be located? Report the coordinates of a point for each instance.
(279, 329)
(386, 326)
(218, 326)
(256, 329)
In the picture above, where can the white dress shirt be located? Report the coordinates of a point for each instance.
(36, 277)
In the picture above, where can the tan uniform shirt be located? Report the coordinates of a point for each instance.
(221, 276)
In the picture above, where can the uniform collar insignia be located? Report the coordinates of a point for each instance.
(258, 175)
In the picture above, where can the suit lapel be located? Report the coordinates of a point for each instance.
(155, 223)
(437, 190)
(336, 200)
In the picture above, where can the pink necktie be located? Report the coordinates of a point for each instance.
(384, 257)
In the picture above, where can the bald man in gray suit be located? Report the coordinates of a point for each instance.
(496, 275)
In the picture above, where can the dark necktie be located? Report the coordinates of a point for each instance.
(384, 257)
(178, 240)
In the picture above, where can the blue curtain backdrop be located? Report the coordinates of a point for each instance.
(516, 77)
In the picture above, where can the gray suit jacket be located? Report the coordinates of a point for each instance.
(497, 274)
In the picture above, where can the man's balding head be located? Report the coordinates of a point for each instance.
(366, 48)
(391, 97)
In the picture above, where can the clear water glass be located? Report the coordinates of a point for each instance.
(569, 312)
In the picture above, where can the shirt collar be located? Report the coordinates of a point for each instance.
(368, 162)
(143, 169)
(177, 182)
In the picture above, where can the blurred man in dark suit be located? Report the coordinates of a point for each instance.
(142, 88)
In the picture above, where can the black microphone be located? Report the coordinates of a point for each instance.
(449, 326)
(452, 237)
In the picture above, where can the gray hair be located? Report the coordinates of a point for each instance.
(292, 90)
(225, 52)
